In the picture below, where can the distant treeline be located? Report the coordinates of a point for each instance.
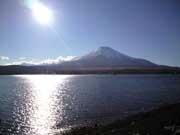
(13, 70)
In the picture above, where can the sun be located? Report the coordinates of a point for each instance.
(42, 13)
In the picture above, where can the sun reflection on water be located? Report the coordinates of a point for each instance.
(43, 115)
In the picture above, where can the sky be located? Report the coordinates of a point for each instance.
(148, 29)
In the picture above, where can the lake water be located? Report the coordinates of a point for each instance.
(46, 104)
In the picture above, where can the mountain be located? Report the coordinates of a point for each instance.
(104, 60)
(106, 57)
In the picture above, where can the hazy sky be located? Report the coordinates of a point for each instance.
(147, 29)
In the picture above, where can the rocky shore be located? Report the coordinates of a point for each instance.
(162, 121)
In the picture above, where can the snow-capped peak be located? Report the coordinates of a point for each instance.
(108, 57)
(106, 52)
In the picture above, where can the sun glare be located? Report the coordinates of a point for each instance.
(41, 13)
(43, 116)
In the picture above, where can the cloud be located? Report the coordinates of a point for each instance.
(25, 61)
(4, 58)
(57, 60)
(66, 58)
(22, 58)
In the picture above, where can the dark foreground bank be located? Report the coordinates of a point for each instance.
(28, 70)
(162, 121)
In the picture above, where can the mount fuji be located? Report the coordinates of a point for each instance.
(103, 60)
(106, 57)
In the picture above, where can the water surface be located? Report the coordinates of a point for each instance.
(46, 104)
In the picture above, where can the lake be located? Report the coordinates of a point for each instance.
(46, 104)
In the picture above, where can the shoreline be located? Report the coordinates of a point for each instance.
(19, 70)
(164, 120)
(93, 74)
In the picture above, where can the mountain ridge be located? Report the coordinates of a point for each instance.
(108, 57)
(103, 60)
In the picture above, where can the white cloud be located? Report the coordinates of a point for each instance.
(24, 61)
(57, 60)
(67, 58)
(22, 58)
(4, 58)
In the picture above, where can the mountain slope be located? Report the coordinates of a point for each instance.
(104, 60)
(106, 57)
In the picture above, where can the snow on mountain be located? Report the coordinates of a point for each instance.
(106, 57)
(106, 52)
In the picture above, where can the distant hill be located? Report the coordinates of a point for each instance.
(104, 60)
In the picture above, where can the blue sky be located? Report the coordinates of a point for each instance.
(140, 28)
